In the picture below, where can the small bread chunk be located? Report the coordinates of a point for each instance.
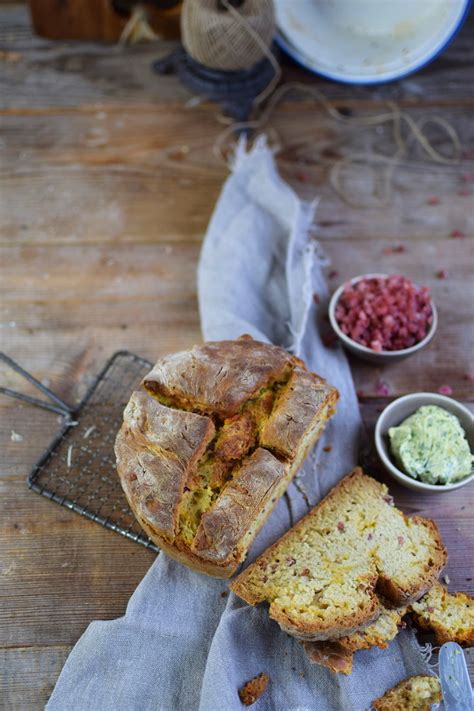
(417, 693)
(321, 577)
(253, 689)
(337, 654)
(449, 616)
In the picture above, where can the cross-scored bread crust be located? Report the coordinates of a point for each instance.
(337, 654)
(417, 693)
(321, 577)
(449, 616)
(191, 455)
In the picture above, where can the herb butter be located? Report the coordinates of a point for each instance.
(431, 446)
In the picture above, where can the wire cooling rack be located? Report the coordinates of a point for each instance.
(78, 468)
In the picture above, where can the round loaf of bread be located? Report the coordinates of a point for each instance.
(211, 441)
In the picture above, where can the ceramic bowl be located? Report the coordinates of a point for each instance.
(398, 411)
(368, 41)
(368, 354)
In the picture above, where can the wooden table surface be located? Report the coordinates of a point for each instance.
(108, 181)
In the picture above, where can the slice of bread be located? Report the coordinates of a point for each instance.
(320, 578)
(337, 654)
(449, 616)
(417, 693)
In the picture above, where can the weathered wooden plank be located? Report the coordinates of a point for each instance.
(59, 571)
(61, 74)
(151, 175)
(143, 298)
(28, 675)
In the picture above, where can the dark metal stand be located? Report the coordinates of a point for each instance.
(234, 91)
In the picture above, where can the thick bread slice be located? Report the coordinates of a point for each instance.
(449, 616)
(157, 444)
(337, 654)
(417, 693)
(219, 377)
(320, 577)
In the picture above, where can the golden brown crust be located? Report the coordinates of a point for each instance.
(157, 451)
(219, 377)
(449, 615)
(399, 566)
(203, 507)
(294, 410)
(253, 689)
(229, 519)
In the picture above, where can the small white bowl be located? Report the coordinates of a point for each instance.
(397, 412)
(367, 41)
(367, 353)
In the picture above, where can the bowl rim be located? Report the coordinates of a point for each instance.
(397, 473)
(364, 349)
(354, 80)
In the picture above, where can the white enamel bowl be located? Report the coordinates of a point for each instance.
(367, 41)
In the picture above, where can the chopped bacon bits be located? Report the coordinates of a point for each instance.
(400, 540)
(442, 274)
(290, 561)
(430, 609)
(370, 536)
(434, 200)
(304, 573)
(384, 313)
(341, 526)
(457, 234)
(253, 689)
(445, 390)
(329, 339)
(382, 388)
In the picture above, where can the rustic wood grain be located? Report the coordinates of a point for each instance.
(20, 665)
(108, 179)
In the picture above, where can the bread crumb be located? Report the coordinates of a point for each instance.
(253, 689)
(447, 579)
(224, 593)
(69, 455)
(16, 437)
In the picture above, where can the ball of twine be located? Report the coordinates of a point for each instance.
(227, 38)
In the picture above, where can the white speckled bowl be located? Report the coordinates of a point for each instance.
(367, 353)
(398, 411)
(367, 41)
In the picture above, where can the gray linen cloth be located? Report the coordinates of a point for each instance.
(183, 644)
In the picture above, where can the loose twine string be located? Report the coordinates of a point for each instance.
(394, 115)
